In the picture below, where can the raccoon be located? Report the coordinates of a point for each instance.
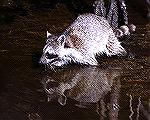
(87, 37)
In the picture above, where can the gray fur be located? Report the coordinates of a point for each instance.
(89, 35)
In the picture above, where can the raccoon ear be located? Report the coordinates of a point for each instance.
(62, 100)
(48, 34)
(62, 40)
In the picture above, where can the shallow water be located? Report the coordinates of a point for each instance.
(118, 89)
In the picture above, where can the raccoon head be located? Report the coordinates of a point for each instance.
(57, 52)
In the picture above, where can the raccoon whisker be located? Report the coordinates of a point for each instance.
(47, 66)
(51, 67)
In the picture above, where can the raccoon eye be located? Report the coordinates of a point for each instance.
(66, 45)
(50, 56)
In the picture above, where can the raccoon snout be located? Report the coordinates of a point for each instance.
(50, 56)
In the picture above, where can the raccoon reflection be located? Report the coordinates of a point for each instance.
(85, 85)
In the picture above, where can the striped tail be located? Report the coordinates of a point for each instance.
(113, 47)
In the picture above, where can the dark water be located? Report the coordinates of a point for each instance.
(118, 89)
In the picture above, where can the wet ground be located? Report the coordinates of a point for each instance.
(118, 89)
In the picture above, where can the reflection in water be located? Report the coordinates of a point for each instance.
(131, 109)
(145, 112)
(85, 85)
(139, 108)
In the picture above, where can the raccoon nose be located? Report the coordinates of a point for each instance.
(50, 56)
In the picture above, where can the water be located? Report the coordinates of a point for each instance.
(117, 89)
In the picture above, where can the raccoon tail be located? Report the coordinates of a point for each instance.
(113, 47)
